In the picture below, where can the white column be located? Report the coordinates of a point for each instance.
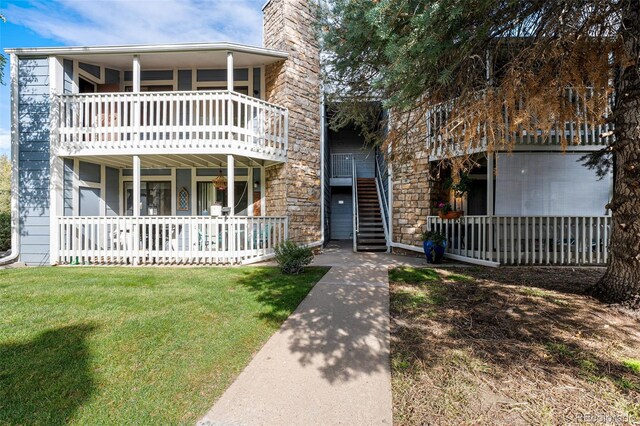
(230, 71)
(136, 73)
(230, 119)
(250, 190)
(136, 185)
(136, 103)
(490, 195)
(231, 196)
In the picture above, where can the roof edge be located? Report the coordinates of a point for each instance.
(146, 48)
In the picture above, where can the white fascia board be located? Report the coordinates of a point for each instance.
(146, 48)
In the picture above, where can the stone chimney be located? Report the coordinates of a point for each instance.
(294, 189)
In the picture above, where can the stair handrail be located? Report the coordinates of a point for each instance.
(356, 217)
(383, 206)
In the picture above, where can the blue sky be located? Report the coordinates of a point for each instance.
(38, 23)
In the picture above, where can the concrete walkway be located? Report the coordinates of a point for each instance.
(329, 362)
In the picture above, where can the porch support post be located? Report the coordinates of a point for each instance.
(490, 209)
(136, 185)
(136, 74)
(136, 103)
(136, 209)
(230, 71)
(231, 196)
(490, 195)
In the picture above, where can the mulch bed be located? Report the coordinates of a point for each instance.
(511, 346)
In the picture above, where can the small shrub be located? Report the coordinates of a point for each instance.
(5, 231)
(292, 258)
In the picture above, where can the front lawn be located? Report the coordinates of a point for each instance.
(133, 345)
(510, 346)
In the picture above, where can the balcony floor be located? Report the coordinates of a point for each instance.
(174, 160)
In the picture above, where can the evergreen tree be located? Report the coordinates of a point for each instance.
(501, 66)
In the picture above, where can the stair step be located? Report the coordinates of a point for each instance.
(371, 241)
(371, 248)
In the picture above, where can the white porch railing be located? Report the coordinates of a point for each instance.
(222, 122)
(167, 239)
(530, 240)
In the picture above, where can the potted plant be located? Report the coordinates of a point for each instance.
(434, 244)
(445, 211)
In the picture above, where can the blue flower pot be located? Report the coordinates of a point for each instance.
(434, 252)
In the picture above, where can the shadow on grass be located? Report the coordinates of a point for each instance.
(279, 294)
(544, 333)
(45, 380)
(567, 279)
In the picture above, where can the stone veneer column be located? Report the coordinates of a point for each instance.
(294, 188)
(411, 194)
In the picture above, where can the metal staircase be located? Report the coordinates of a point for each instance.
(371, 234)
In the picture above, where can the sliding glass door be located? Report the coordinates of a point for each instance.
(209, 195)
(155, 198)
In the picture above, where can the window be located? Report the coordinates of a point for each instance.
(244, 90)
(549, 184)
(155, 198)
(208, 195)
(85, 86)
(183, 199)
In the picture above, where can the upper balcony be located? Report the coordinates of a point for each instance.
(581, 134)
(187, 122)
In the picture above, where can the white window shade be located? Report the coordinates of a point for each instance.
(549, 184)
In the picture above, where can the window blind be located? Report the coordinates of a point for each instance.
(548, 184)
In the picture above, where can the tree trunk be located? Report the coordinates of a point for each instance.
(621, 282)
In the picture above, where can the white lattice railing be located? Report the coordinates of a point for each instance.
(551, 240)
(167, 239)
(170, 122)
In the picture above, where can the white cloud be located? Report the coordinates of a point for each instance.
(104, 22)
(5, 140)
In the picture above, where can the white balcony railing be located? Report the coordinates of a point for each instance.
(529, 240)
(169, 240)
(218, 122)
(581, 133)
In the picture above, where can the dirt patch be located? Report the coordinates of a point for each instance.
(510, 346)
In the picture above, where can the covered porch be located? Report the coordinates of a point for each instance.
(161, 209)
(527, 207)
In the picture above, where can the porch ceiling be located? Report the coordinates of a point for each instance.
(174, 160)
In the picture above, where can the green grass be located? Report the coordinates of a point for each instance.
(410, 275)
(422, 291)
(133, 345)
(632, 364)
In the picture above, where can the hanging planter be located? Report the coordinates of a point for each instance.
(450, 215)
(220, 182)
(446, 212)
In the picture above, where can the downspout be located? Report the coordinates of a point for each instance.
(15, 212)
(390, 186)
(322, 176)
